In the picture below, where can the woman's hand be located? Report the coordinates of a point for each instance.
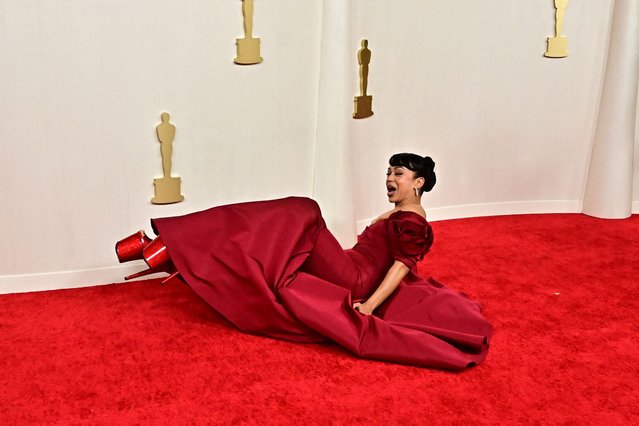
(393, 277)
(363, 308)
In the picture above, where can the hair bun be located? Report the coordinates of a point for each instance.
(429, 163)
(429, 174)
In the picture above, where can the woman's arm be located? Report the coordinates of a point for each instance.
(393, 277)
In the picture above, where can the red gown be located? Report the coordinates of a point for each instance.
(273, 268)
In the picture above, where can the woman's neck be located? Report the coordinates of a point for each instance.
(408, 202)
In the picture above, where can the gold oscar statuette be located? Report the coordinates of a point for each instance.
(558, 45)
(363, 102)
(248, 48)
(167, 188)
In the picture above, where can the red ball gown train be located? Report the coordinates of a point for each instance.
(272, 268)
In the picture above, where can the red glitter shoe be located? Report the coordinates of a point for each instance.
(131, 247)
(156, 256)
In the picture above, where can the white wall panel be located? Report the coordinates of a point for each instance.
(466, 82)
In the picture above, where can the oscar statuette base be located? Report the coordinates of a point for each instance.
(248, 51)
(167, 190)
(557, 47)
(363, 106)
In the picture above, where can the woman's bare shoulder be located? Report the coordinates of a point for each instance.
(415, 209)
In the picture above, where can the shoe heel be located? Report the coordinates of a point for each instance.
(170, 277)
(158, 260)
(132, 247)
(174, 274)
(143, 273)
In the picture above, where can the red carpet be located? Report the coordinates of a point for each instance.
(560, 290)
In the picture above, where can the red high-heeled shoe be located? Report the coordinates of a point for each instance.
(158, 260)
(131, 247)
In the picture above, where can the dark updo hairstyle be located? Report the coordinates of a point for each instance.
(421, 166)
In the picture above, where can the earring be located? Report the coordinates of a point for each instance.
(416, 192)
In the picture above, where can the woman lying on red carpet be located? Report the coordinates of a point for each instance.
(273, 268)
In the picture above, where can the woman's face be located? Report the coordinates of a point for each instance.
(400, 184)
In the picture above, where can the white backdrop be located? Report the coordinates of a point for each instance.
(83, 83)
(467, 83)
(82, 87)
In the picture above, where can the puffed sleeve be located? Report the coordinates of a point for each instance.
(410, 237)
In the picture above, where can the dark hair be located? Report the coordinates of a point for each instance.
(421, 166)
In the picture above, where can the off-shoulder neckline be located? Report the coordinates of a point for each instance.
(398, 212)
(406, 211)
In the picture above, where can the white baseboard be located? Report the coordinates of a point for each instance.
(67, 279)
(635, 207)
(493, 209)
(502, 209)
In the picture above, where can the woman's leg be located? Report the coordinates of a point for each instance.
(330, 262)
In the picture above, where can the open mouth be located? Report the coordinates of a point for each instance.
(390, 190)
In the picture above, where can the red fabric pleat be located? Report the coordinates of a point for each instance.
(235, 257)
